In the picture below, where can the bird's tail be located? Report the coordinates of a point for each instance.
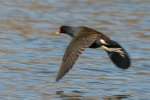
(117, 54)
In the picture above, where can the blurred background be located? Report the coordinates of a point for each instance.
(30, 54)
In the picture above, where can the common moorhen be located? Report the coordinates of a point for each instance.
(85, 37)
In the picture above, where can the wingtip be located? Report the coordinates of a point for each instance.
(57, 79)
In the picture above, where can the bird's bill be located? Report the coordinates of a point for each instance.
(57, 33)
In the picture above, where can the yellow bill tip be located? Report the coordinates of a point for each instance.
(57, 33)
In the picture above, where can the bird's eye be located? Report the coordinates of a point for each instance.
(61, 30)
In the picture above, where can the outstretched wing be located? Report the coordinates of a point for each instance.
(75, 48)
(118, 55)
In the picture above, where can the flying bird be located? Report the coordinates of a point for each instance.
(85, 37)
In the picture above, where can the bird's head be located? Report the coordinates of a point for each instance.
(69, 30)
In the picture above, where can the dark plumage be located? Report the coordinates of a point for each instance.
(84, 37)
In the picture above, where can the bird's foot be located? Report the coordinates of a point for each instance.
(117, 50)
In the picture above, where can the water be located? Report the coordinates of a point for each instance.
(30, 54)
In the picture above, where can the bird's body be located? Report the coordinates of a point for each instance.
(84, 37)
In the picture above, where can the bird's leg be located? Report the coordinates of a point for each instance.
(111, 49)
(117, 50)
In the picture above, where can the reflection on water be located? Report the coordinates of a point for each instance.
(30, 54)
(77, 96)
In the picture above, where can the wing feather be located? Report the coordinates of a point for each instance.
(75, 48)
